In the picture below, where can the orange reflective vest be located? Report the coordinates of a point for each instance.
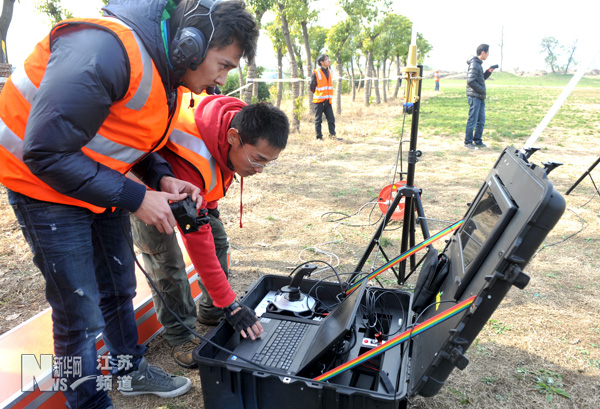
(436, 77)
(187, 143)
(324, 89)
(136, 125)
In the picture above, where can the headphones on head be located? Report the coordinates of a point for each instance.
(189, 47)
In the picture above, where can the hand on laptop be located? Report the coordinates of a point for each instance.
(243, 320)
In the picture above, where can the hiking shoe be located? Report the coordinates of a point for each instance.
(481, 145)
(336, 138)
(210, 317)
(182, 354)
(470, 146)
(152, 379)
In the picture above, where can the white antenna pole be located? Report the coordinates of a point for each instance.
(558, 103)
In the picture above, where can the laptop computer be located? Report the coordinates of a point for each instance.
(290, 344)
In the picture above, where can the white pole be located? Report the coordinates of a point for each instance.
(558, 103)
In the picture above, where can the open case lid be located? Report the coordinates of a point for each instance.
(511, 215)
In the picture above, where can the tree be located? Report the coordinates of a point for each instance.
(550, 48)
(366, 12)
(570, 50)
(285, 29)
(393, 41)
(370, 34)
(300, 16)
(423, 48)
(53, 9)
(259, 8)
(233, 82)
(274, 32)
(317, 38)
(398, 32)
(337, 42)
(5, 18)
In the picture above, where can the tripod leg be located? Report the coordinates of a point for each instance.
(587, 172)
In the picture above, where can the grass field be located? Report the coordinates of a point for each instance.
(541, 349)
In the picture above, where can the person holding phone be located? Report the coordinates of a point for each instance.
(476, 93)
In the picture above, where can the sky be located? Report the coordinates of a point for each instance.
(453, 28)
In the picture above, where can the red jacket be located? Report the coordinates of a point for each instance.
(212, 118)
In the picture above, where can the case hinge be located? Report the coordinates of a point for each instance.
(457, 357)
(515, 276)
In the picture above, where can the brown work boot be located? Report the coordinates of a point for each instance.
(210, 317)
(182, 354)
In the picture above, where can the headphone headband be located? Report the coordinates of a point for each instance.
(208, 4)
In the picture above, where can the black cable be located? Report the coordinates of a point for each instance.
(324, 262)
(157, 291)
(351, 343)
(566, 238)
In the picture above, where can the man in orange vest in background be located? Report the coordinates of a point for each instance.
(93, 102)
(321, 85)
(436, 78)
(222, 136)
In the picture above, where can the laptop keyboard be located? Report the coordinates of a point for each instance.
(281, 347)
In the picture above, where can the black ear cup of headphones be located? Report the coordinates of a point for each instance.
(188, 49)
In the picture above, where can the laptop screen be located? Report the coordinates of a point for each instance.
(335, 325)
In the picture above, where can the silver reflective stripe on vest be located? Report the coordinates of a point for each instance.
(23, 84)
(10, 141)
(138, 101)
(106, 147)
(197, 146)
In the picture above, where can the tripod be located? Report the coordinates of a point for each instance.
(412, 202)
(586, 173)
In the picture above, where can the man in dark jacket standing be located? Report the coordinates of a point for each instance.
(95, 100)
(476, 93)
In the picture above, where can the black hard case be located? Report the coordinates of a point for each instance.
(422, 365)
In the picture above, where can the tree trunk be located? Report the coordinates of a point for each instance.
(295, 85)
(252, 70)
(5, 18)
(250, 76)
(399, 74)
(385, 81)
(279, 76)
(241, 76)
(309, 68)
(351, 75)
(376, 85)
(368, 74)
(338, 91)
(353, 81)
(573, 48)
(301, 85)
(361, 82)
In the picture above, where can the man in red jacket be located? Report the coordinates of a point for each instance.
(221, 137)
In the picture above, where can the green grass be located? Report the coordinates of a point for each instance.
(505, 78)
(514, 107)
(546, 382)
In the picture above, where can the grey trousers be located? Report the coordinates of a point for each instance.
(163, 261)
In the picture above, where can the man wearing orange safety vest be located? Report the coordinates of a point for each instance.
(222, 136)
(436, 78)
(93, 102)
(321, 85)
